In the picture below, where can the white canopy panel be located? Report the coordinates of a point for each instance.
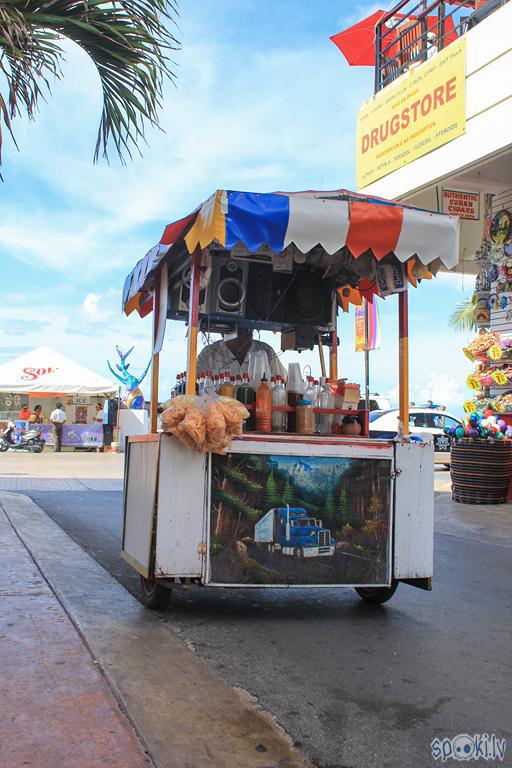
(43, 371)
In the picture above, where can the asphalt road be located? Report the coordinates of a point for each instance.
(355, 686)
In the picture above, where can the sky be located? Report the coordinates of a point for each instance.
(262, 101)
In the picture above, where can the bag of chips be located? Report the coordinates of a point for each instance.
(206, 422)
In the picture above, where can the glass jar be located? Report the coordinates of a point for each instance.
(304, 417)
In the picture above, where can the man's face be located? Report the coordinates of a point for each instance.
(244, 334)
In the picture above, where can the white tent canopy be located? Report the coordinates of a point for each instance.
(45, 371)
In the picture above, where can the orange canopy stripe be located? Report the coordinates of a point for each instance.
(374, 226)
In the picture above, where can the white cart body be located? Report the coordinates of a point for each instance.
(167, 531)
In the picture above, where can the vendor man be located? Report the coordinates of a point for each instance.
(233, 355)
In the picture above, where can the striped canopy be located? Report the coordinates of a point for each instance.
(332, 220)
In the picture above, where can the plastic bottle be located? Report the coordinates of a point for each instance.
(325, 399)
(304, 417)
(227, 388)
(279, 398)
(310, 391)
(295, 390)
(246, 395)
(264, 406)
(238, 382)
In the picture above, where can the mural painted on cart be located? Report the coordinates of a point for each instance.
(299, 520)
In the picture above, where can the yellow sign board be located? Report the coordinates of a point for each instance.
(422, 110)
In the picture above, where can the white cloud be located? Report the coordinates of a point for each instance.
(442, 389)
(90, 306)
(361, 11)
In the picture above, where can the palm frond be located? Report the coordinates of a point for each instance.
(129, 42)
(463, 316)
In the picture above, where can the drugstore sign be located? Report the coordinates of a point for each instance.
(423, 110)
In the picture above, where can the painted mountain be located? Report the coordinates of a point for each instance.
(317, 476)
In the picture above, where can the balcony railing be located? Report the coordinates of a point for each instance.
(415, 30)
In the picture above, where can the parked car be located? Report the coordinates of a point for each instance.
(427, 423)
(376, 402)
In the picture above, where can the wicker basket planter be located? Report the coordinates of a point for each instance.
(481, 471)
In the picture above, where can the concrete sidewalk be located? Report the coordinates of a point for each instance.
(188, 716)
(57, 710)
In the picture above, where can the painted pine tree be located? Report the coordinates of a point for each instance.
(288, 496)
(330, 506)
(271, 498)
(346, 514)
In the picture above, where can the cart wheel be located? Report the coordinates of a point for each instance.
(298, 552)
(377, 595)
(153, 595)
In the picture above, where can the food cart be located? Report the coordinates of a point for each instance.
(279, 509)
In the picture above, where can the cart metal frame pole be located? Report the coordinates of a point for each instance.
(403, 361)
(155, 360)
(193, 322)
(366, 357)
(321, 355)
(333, 360)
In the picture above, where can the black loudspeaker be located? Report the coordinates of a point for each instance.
(302, 298)
(111, 407)
(179, 297)
(266, 294)
(227, 290)
(309, 300)
(250, 291)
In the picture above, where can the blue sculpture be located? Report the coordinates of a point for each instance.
(133, 397)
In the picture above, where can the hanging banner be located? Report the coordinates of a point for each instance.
(423, 110)
(367, 336)
(373, 337)
(360, 323)
(162, 308)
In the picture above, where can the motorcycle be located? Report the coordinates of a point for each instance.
(29, 441)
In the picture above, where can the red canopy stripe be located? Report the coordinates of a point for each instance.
(373, 226)
(173, 231)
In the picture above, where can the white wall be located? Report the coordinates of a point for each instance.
(499, 320)
(488, 112)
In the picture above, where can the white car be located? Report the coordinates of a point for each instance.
(376, 402)
(427, 423)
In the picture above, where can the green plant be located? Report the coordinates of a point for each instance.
(462, 317)
(127, 41)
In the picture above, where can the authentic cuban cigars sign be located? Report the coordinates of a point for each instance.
(422, 110)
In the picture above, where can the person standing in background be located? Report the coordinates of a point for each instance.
(99, 416)
(25, 413)
(37, 417)
(57, 418)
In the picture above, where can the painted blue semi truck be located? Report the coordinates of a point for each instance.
(291, 531)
